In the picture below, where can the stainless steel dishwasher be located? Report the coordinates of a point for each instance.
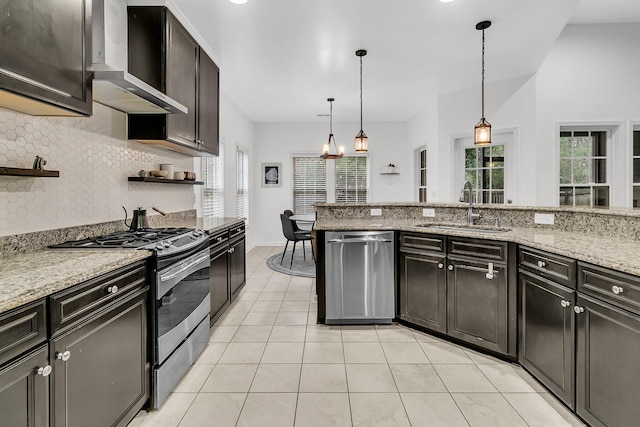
(359, 277)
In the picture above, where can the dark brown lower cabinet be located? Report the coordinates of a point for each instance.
(547, 334)
(423, 289)
(219, 278)
(237, 267)
(100, 367)
(24, 391)
(477, 304)
(607, 367)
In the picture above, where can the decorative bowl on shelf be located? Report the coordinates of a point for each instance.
(159, 174)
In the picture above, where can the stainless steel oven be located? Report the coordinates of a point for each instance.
(179, 297)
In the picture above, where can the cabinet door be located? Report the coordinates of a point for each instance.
(477, 304)
(423, 290)
(237, 276)
(105, 377)
(607, 368)
(181, 60)
(24, 393)
(219, 280)
(208, 99)
(45, 52)
(547, 334)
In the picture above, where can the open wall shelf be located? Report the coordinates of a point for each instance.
(164, 181)
(28, 172)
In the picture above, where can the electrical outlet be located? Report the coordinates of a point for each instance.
(428, 212)
(544, 219)
(376, 212)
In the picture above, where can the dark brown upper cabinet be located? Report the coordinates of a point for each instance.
(45, 57)
(163, 54)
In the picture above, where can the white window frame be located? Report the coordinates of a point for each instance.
(419, 172)
(507, 137)
(294, 181)
(213, 188)
(242, 183)
(611, 131)
(366, 178)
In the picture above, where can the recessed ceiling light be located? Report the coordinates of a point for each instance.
(238, 1)
(446, 1)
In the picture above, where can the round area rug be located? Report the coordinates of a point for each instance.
(301, 267)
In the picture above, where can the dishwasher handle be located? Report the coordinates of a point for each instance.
(360, 240)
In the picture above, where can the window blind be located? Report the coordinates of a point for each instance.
(242, 184)
(309, 183)
(213, 190)
(352, 184)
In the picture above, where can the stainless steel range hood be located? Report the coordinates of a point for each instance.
(112, 84)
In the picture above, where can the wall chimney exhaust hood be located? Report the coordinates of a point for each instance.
(113, 86)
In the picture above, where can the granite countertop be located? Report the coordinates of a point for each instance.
(615, 253)
(30, 276)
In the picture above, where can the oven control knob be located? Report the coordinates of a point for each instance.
(167, 244)
(159, 246)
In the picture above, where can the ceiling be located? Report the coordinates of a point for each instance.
(281, 59)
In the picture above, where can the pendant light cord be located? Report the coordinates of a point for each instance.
(483, 73)
(361, 93)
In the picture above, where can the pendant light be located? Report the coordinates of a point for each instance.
(361, 137)
(326, 148)
(482, 133)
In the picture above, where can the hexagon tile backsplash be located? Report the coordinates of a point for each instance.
(94, 159)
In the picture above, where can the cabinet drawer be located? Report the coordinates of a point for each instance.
(560, 269)
(483, 249)
(620, 289)
(218, 239)
(236, 231)
(70, 306)
(423, 242)
(21, 329)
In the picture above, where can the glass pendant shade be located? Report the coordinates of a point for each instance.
(362, 142)
(482, 134)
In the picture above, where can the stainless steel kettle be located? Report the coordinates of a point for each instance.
(139, 220)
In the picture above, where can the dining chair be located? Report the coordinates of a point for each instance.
(292, 236)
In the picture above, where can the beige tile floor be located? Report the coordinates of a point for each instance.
(268, 364)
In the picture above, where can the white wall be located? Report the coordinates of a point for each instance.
(277, 142)
(590, 76)
(94, 160)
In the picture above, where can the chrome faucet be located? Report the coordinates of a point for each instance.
(471, 217)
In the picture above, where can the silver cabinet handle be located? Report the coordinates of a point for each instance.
(112, 289)
(565, 303)
(542, 264)
(617, 290)
(578, 310)
(64, 356)
(45, 371)
(232, 250)
(450, 267)
(440, 265)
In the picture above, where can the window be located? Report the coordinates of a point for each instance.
(583, 168)
(352, 179)
(636, 169)
(422, 174)
(213, 190)
(484, 169)
(309, 183)
(242, 184)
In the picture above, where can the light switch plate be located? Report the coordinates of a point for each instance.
(376, 212)
(544, 218)
(428, 212)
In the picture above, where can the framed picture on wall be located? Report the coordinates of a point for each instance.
(271, 174)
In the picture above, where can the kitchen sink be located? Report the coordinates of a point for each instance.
(465, 228)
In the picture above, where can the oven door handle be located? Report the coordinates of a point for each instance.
(185, 267)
